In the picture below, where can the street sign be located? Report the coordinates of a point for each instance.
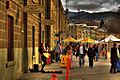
(49, 22)
(32, 9)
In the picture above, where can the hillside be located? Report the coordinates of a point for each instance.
(75, 16)
(113, 18)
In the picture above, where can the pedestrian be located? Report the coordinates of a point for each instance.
(91, 55)
(119, 50)
(77, 51)
(61, 50)
(118, 62)
(46, 47)
(114, 58)
(81, 55)
(57, 52)
(41, 51)
(104, 50)
(100, 50)
(96, 52)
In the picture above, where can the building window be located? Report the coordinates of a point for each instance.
(47, 9)
(10, 22)
(43, 36)
(24, 2)
(33, 40)
(42, 3)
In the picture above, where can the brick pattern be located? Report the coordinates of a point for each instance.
(2, 25)
(32, 21)
(16, 11)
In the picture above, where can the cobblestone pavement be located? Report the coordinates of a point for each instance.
(100, 71)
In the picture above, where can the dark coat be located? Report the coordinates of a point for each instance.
(114, 54)
(96, 49)
(41, 50)
(91, 52)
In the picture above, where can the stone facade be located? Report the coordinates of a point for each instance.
(19, 45)
(10, 70)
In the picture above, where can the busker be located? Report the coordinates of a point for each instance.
(41, 51)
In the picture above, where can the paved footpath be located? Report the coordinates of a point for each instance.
(100, 71)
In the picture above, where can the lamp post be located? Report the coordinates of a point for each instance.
(66, 14)
(103, 26)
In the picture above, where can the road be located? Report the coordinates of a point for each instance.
(100, 71)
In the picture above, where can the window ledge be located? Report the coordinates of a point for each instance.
(10, 64)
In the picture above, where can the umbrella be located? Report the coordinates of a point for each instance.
(70, 39)
(87, 40)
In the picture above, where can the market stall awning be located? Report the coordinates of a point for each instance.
(87, 40)
(70, 39)
(79, 40)
(110, 38)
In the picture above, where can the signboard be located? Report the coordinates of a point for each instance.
(33, 9)
(49, 22)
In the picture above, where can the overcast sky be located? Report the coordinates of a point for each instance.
(91, 5)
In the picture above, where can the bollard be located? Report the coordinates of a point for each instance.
(68, 68)
(54, 77)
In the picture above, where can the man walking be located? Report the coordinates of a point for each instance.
(81, 55)
(57, 52)
(114, 58)
(91, 55)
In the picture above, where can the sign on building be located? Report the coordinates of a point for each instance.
(49, 22)
(33, 9)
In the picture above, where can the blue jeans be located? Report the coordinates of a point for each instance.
(96, 53)
(57, 57)
(81, 59)
(113, 65)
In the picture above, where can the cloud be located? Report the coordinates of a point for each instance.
(91, 5)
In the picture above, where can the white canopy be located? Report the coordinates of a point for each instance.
(110, 38)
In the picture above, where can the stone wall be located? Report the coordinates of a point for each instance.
(13, 69)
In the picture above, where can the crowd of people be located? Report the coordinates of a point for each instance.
(93, 51)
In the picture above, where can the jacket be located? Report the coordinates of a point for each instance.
(114, 54)
(91, 52)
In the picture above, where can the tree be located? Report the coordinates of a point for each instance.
(101, 23)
